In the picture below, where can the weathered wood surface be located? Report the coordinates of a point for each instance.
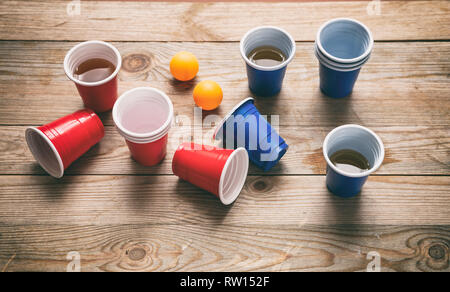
(147, 21)
(150, 247)
(265, 200)
(409, 150)
(121, 216)
(404, 84)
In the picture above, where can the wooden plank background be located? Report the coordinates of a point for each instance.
(142, 21)
(122, 216)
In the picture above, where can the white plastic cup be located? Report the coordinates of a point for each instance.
(143, 116)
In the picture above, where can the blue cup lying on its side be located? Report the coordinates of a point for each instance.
(359, 139)
(245, 127)
(266, 81)
(342, 47)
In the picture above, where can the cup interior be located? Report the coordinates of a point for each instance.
(233, 176)
(44, 152)
(91, 50)
(143, 114)
(357, 138)
(218, 132)
(268, 36)
(345, 39)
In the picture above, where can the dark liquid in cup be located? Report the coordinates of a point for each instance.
(266, 56)
(350, 161)
(94, 70)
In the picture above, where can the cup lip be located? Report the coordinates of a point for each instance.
(142, 138)
(340, 60)
(336, 66)
(354, 175)
(230, 113)
(97, 83)
(321, 61)
(222, 177)
(262, 68)
(58, 174)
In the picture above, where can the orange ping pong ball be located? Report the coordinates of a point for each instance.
(184, 66)
(208, 95)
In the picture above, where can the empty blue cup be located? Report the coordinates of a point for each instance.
(267, 81)
(336, 83)
(245, 127)
(359, 139)
(342, 47)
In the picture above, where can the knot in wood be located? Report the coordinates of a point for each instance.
(260, 185)
(137, 254)
(135, 63)
(437, 252)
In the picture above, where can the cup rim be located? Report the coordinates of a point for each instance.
(347, 174)
(142, 138)
(342, 66)
(33, 150)
(321, 61)
(341, 60)
(230, 113)
(233, 196)
(262, 68)
(97, 83)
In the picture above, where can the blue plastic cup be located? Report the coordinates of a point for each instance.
(245, 127)
(357, 138)
(342, 47)
(336, 83)
(267, 81)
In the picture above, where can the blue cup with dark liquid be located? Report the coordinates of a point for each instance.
(342, 47)
(245, 127)
(267, 80)
(357, 138)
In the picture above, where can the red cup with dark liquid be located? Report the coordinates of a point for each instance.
(93, 67)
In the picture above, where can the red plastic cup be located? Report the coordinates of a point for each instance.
(143, 116)
(99, 96)
(57, 144)
(221, 172)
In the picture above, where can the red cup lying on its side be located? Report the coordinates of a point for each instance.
(216, 170)
(143, 116)
(99, 96)
(56, 145)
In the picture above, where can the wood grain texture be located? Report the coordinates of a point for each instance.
(266, 200)
(147, 21)
(224, 248)
(404, 84)
(121, 216)
(409, 151)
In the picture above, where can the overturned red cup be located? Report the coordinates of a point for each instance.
(221, 172)
(57, 144)
(143, 116)
(99, 96)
